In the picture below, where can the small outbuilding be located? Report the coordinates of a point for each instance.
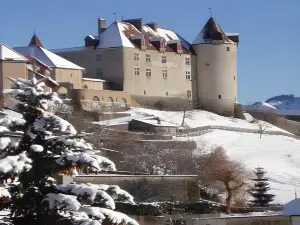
(152, 125)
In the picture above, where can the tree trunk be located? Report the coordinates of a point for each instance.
(229, 198)
(182, 124)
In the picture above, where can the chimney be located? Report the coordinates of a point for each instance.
(138, 23)
(153, 26)
(101, 26)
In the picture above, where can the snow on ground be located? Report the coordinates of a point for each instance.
(279, 155)
(195, 118)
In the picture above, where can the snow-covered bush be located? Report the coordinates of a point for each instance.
(35, 146)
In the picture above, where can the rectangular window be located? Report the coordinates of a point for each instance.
(188, 75)
(220, 96)
(148, 58)
(144, 92)
(148, 72)
(99, 72)
(136, 71)
(164, 59)
(234, 78)
(189, 94)
(98, 57)
(165, 74)
(71, 75)
(187, 61)
(167, 93)
(136, 57)
(228, 48)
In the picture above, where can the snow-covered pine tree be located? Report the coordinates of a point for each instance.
(35, 146)
(259, 191)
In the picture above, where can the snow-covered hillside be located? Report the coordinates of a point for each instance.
(195, 118)
(279, 155)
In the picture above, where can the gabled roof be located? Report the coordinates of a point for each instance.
(35, 41)
(46, 57)
(8, 54)
(33, 60)
(212, 32)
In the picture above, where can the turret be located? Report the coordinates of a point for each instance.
(216, 68)
(35, 41)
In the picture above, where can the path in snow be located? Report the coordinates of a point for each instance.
(195, 118)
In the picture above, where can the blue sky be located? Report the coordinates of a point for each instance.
(268, 54)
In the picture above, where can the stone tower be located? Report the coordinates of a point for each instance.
(216, 68)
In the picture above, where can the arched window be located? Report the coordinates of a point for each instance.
(96, 103)
(123, 102)
(96, 99)
(110, 101)
(62, 92)
(85, 86)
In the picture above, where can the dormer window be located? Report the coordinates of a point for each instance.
(158, 43)
(176, 46)
(91, 41)
(139, 41)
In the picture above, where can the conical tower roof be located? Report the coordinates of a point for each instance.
(35, 41)
(212, 32)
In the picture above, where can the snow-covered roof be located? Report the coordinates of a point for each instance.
(292, 208)
(122, 34)
(211, 31)
(156, 122)
(46, 57)
(93, 79)
(6, 53)
(136, 37)
(72, 49)
(49, 82)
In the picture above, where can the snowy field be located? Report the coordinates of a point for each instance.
(279, 155)
(195, 118)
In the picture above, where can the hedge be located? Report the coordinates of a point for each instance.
(160, 208)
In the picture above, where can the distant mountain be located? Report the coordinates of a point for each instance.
(286, 102)
(281, 104)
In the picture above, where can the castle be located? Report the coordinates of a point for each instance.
(131, 62)
(156, 64)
